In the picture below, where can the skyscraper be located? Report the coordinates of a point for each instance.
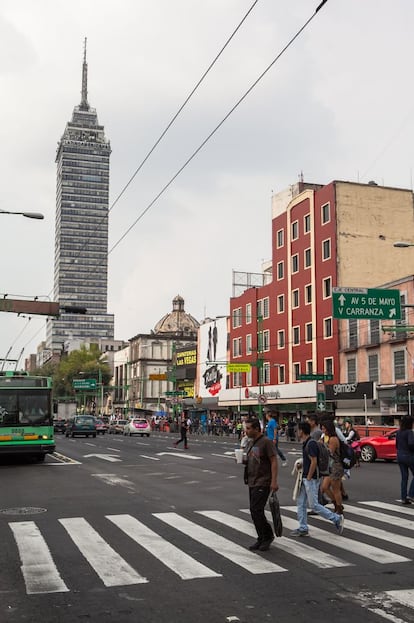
(81, 234)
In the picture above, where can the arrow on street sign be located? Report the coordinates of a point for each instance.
(106, 457)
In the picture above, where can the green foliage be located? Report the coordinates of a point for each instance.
(79, 364)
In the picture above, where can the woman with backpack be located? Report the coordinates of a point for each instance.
(331, 485)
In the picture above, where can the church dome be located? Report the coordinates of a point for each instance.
(177, 321)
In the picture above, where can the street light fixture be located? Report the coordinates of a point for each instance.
(35, 215)
(403, 245)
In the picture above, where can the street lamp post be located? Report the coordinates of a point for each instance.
(35, 215)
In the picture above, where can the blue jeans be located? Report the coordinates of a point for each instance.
(308, 494)
(405, 464)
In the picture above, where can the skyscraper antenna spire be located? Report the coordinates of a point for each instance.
(84, 101)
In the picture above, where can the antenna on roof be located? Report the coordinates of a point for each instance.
(84, 100)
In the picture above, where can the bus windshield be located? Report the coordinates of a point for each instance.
(25, 408)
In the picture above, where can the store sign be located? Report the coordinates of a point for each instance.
(349, 391)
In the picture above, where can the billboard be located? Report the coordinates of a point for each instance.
(213, 356)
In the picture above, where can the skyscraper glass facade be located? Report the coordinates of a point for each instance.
(81, 234)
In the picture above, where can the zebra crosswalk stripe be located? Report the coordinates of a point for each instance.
(377, 516)
(301, 550)
(365, 550)
(389, 507)
(39, 570)
(110, 567)
(171, 556)
(367, 530)
(233, 552)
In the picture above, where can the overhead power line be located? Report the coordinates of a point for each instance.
(212, 133)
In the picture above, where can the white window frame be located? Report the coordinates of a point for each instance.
(307, 219)
(327, 280)
(281, 334)
(327, 240)
(295, 294)
(327, 322)
(237, 347)
(295, 230)
(236, 317)
(280, 270)
(309, 366)
(281, 307)
(266, 373)
(307, 340)
(296, 370)
(266, 307)
(307, 301)
(281, 374)
(266, 340)
(326, 366)
(324, 220)
(295, 260)
(296, 334)
(248, 313)
(280, 238)
(249, 344)
(307, 254)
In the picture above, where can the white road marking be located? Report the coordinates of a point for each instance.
(109, 566)
(113, 480)
(390, 507)
(181, 456)
(105, 457)
(114, 449)
(38, 568)
(384, 603)
(364, 512)
(377, 554)
(233, 552)
(301, 550)
(171, 556)
(142, 443)
(405, 597)
(90, 444)
(223, 456)
(153, 458)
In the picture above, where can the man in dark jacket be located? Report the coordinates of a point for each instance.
(261, 478)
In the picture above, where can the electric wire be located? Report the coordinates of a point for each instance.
(218, 126)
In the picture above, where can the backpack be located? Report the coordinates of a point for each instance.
(347, 455)
(323, 459)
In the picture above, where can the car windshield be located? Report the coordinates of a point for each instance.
(122, 421)
(84, 420)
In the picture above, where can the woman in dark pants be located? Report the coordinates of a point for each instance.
(405, 457)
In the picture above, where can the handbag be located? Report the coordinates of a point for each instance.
(276, 517)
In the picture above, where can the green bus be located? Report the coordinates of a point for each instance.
(26, 416)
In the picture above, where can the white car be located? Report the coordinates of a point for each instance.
(137, 426)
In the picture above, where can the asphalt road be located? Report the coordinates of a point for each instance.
(126, 529)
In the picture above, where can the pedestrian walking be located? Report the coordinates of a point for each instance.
(272, 434)
(260, 475)
(183, 431)
(308, 492)
(332, 484)
(405, 457)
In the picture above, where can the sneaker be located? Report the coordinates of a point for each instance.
(299, 532)
(254, 546)
(406, 501)
(339, 524)
(264, 545)
(284, 463)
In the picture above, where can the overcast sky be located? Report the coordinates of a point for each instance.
(337, 105)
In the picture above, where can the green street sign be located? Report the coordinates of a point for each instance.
(321, 401)
(176, 393)
(84, 384)
(366, 303)
(315, 377)
(238, 367)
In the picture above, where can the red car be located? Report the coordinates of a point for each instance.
(382, 447)
(100, 426)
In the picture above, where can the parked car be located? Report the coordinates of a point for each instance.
(117, 426)
(378, 447)
(80, 425)
(59, 425)
(137, 426)
(100, 426)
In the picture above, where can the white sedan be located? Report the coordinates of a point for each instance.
(137, 427)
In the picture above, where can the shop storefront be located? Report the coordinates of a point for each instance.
(357, 401)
